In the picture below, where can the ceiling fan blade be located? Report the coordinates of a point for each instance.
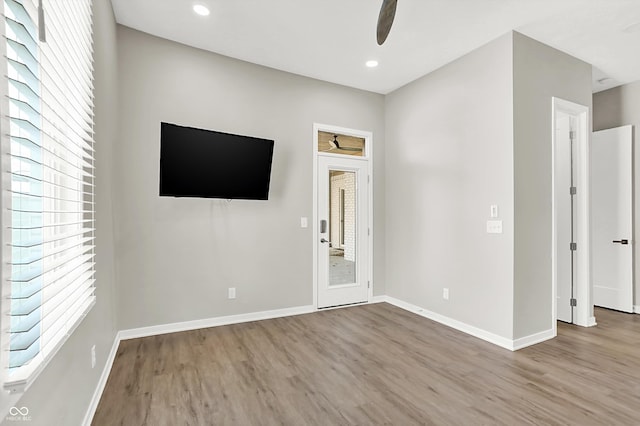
(385, 19)
(335, 144)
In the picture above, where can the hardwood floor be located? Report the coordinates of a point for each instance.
(374, 364)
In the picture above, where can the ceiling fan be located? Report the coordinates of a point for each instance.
(385, 19)
(336, 145)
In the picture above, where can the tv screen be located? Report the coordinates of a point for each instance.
(209, 164)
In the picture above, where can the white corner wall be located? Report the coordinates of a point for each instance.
(177, 257)
(618, 107)
(449, 158)
(540, 73)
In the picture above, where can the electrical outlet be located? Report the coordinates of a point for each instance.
(93, 356)
(445, 293)
(232, 292)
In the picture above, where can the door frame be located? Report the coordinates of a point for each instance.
(368, 158)
(583, 311)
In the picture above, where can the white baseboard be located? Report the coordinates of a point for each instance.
(278, 313)
(532, 339)
(378, 299)
(512, 345)
(97, 394)
(591, 322)
(176, 327)
(458, 325)
(636, 309)
(154, 330)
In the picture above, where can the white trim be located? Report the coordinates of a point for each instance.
(592, 322)
(314, 215)
(134, 333)
(636, 309)
(97, 394)
(450, 322)
(368, 157)
(583, 286)
(533, 339)
(503, 342)
(154, 330)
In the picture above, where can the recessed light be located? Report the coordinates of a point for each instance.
(371, 64)
(201, 10)
(632, 28)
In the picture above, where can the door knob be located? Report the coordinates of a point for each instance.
(621, 241)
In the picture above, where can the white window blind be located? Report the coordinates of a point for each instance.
(48, 183)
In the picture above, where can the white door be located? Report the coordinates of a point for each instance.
(343, 228)
(563, 171)
(611, 218)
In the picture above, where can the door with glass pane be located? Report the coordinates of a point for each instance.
(343, 231)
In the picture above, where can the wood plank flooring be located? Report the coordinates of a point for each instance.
(374, 364)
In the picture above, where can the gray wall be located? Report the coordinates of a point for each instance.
(618, 107)
(452, 158)
(540, 73)
(61, 394)
(177, 257)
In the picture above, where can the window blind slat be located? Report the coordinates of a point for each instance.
(19, 13)
(60, 237)
(40, 186)
(70, 319)
(66, 156)
(52, 225)
(82, 177)
(46, 197)
(70, 261)
(50, 183)
(26, 290)
(64, 296)
(35, 257)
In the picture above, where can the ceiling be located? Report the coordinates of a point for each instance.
(332, 39)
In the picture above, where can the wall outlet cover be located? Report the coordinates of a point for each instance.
(494, 227)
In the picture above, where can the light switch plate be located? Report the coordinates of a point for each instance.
(304, 222)
(494, 210)
(494, 227)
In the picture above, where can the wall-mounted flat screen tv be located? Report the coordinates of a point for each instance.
(209, 164)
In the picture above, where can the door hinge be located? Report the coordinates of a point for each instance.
(368, 178)
(573, 190)
(572, 135)
(368, 231)
(573, 246)
(368, 284)
(573, 302)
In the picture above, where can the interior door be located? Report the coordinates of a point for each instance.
(611, 218)
(343, 228)
(563, 180)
